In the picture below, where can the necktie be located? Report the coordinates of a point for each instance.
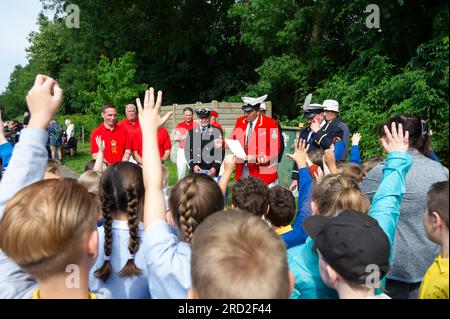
(249, 133)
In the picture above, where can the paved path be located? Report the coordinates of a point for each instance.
(68, 173)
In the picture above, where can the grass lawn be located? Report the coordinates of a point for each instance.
(79, 160)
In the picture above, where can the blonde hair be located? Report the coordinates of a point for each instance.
(336, 193)
(91, 180)
(237, 255)
(43, 226)
(53, 167)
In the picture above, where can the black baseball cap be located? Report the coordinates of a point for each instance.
(350, 243)
(203, 113)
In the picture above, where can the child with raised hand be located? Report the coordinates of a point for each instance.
(236, 255)
(121, 266)
(385, 207)
(55, 230)
(27, 165)
(282, 203)
(195, 197)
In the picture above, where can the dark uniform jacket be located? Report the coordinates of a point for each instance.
(329, 134)
(200, 148)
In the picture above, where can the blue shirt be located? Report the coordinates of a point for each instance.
(168, 262)
(134, 287)
(6, 150)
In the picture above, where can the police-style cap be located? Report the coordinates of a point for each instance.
(313, 109)
(251, 103)
(203, 113)
(352, 243)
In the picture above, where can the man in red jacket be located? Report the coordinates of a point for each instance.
(259, 136)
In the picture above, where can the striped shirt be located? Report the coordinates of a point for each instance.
(168, 262)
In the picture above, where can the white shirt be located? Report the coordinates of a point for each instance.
(69, 130)
(253, 126)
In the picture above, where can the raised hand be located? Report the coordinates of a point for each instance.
(149, 116)
(229, 163)
(395, 139)
(43, 101)
(315, 127)
(356, 138)
(329, 160)
(100, 143)
(299, 155)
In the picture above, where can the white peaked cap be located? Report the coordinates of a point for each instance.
(254, 101)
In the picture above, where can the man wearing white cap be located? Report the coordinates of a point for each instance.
(259, 137)
(331, 108)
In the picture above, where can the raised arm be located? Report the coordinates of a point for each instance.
(386, 203)
(154, 207)
(355, 155)
(98, 166)
(229, 162)
(29, 159)
(305, 183)
(27, 165)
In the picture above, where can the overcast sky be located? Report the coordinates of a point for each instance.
(17, 19)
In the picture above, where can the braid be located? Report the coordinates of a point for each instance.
(105, 270)
(187, 210)
(130, 268)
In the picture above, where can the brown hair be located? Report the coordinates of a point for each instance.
(336, 193)
(121, 190)
(250, 194)
(107, 106)
(370, 163)
(316, 157)
(237, 255)
(282, 206)
(351, 170)
(44, 223)
(418, 132)
(192, 199)
(53, 167)
(437, 200)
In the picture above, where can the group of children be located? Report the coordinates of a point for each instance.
(126, 239)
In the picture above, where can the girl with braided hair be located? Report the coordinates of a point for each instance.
(193, 198)
(120, 266)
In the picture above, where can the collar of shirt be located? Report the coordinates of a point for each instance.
(253, 123)
(108, 129)
(442, 264)
(323, 123)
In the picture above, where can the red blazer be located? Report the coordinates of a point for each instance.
(264, 140)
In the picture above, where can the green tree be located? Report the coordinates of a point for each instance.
(114, 82)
